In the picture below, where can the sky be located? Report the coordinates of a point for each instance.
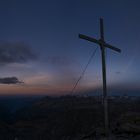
(40, 52)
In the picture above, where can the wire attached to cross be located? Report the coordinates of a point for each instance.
(83, 72)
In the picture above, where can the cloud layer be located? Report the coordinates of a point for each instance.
(15, 53)
(10, 80)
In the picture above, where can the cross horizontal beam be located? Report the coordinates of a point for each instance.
(100, 42)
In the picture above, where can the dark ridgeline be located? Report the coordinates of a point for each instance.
(103, 46)
(73, 118)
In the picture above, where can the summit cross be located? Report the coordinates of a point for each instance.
(103, 45)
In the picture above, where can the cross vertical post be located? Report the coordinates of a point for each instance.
(105, 97)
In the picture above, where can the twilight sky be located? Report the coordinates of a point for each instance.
(40, 52)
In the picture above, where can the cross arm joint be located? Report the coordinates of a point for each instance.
(100, 42)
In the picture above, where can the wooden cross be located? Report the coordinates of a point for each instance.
(103, 45)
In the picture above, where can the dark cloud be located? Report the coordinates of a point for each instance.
(11, 52)
(10, 80)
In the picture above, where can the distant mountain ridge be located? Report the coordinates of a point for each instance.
(72, 117)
